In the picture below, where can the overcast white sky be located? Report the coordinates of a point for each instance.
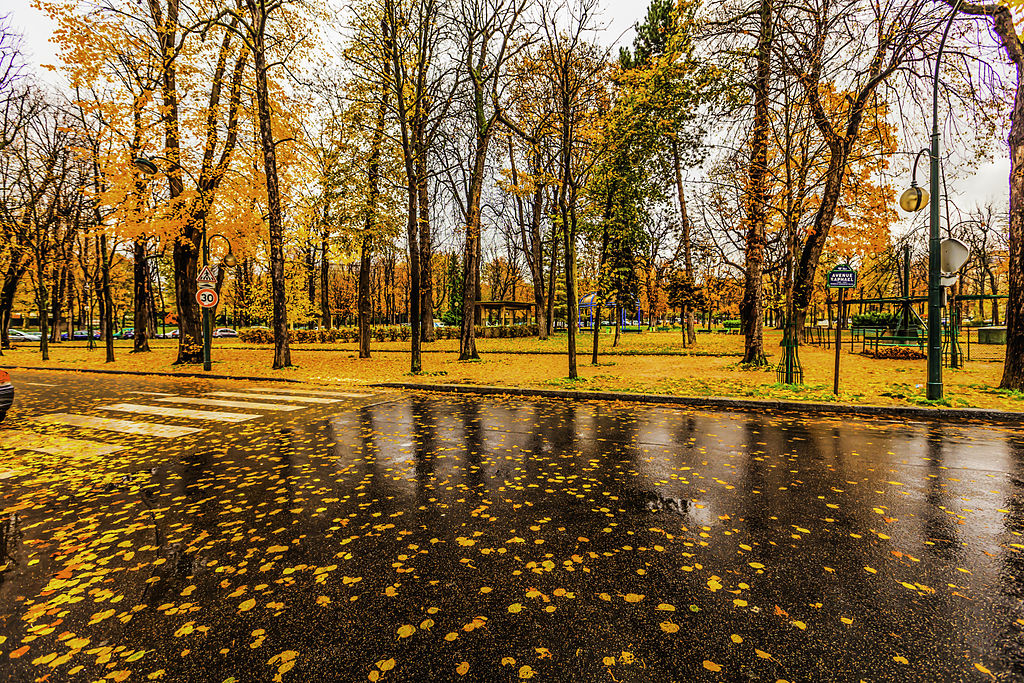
(989, 183)
(619, 16)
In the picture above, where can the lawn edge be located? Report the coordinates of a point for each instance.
(154, 373)
(746, 405)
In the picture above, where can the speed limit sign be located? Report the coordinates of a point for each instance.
(207, 298)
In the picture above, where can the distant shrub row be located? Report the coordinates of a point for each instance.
(342, 335)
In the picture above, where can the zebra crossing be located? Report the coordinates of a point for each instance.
(199, 412)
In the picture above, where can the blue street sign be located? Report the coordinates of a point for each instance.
(842, 277)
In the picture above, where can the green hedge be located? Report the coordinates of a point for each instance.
(731, 324)
(350, 335)
(877, 319)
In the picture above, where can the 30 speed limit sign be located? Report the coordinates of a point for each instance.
(207, 298)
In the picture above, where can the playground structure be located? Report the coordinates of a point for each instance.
(589, 304)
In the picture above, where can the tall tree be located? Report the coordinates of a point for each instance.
(575, 69)
(1003, 25)
(830, 53)
(486, 45)
(670, 85)
(757, 197)
(254, 22)
(419, 83)
(198, 76)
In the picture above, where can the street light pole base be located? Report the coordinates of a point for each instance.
(934, 391)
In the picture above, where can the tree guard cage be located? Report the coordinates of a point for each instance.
(589, 304)
(789, 370)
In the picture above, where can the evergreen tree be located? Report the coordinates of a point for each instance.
(453, 316)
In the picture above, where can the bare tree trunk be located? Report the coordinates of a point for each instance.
(532, 245)
(69, 322)
(415, 319)
(684, 221)
(311, 275)
(757, 199)
(618, 324)
(995, 302)
(426, 254)
(538, 267)
(282, 351)
(325, 271)
(16, 268)
(1002, 23)
(106, 298)
(364, 306)
(471, 270)
(57, 303)
(142, 299)
(1013, 365)
(552, 272)
(41, 304)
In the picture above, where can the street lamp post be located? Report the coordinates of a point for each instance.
(913, 200)
(228, 261)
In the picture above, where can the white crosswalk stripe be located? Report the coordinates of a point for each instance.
(255, 399)
(167, 411)
(199, 401)
(23, 440)
(274, 397)
(311, 392)
(163, 431)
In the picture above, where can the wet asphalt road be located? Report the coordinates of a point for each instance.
(425, 537)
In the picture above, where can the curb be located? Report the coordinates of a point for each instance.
(301, 348)
(141, 373)
(746, 405)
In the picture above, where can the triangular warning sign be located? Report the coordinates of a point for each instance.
(206, 275)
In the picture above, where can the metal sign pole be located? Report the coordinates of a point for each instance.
(839, 333)
(842, 277)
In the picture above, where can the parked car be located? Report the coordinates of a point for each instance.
(222, 332)
(80, 335)
(18, 335)
(6, 394)
(126, 333)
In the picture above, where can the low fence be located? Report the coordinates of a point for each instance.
(874, 341)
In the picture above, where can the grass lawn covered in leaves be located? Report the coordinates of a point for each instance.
(712, 368)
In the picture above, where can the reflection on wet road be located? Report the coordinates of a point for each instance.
(464, 538)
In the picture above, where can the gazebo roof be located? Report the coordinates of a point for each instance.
(517, 305)
(591, 299)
